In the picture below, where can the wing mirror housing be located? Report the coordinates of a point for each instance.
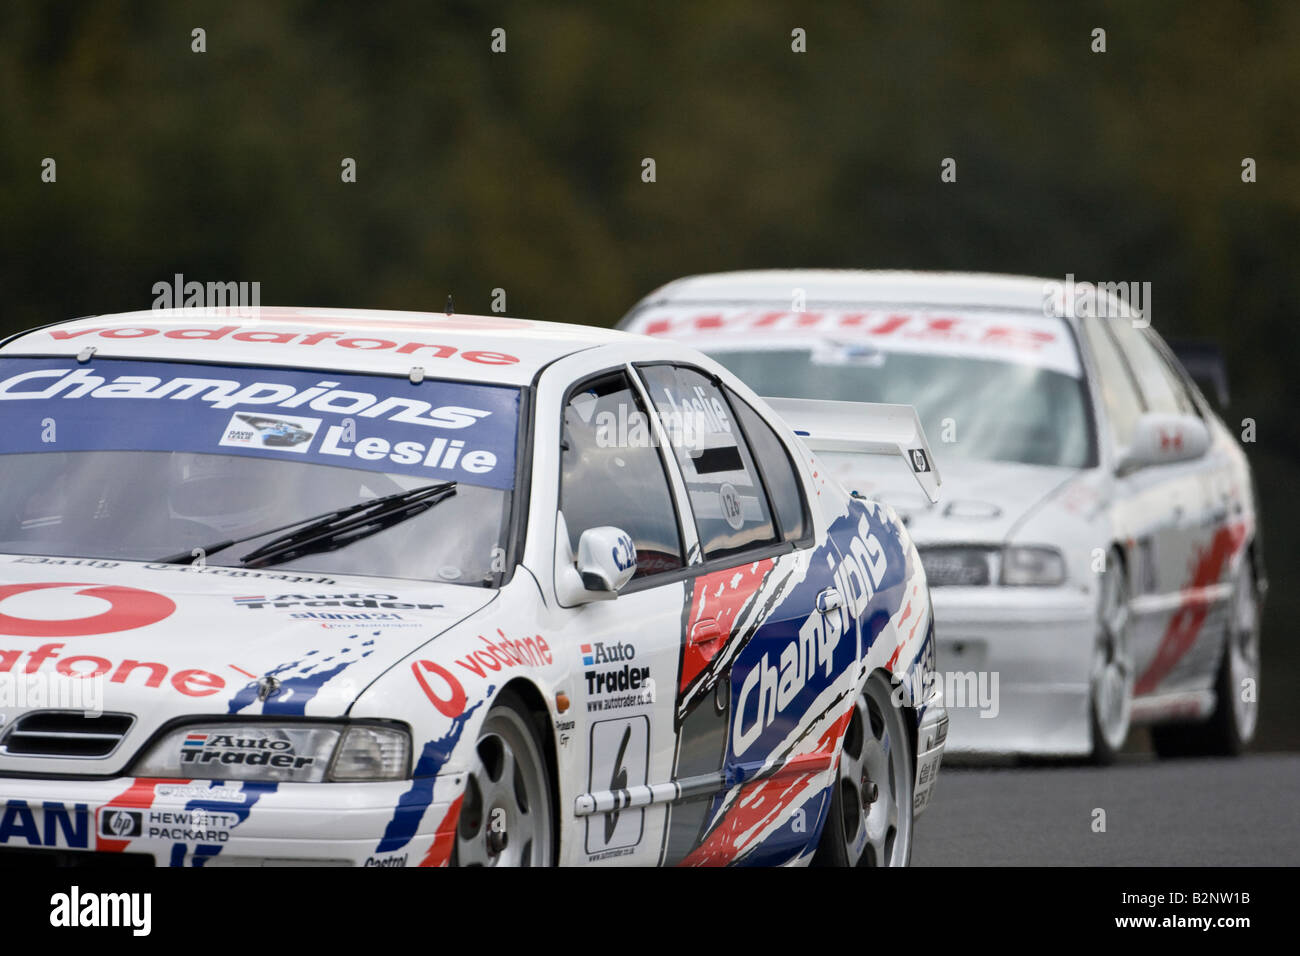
(1162, 439)
(605, 562)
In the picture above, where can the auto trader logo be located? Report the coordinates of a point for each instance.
(601, 653)
(209, 749)
(128, 608)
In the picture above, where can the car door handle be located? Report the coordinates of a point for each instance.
(705, 631)
(829, 600)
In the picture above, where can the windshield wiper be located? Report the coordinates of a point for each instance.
(328, 531)
(339, 530)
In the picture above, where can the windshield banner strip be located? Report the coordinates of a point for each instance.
(841, 337)
(435, 429)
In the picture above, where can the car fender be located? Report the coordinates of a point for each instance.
(444, 692)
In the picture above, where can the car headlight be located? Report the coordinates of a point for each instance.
(372, 753)
(956, 566)
(293, 753)
(1034, 566)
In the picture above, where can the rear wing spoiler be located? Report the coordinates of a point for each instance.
(863, 428)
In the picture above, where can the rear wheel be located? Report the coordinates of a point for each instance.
(870, 817)
(1236, 687)
(505, 818)
(1112, 669)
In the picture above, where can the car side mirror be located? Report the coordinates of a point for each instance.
(606, 558)
(1161, 439)
(605, 562)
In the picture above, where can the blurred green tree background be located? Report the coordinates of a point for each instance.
(522, 170)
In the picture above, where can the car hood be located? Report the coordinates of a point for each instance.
(979, 501)
(160, 641)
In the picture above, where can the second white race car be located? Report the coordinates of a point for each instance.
(1095, 560)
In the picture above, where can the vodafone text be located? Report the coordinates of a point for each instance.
(191, 682)
(444, 689)
(264, 336)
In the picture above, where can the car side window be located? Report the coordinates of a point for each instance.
(1118, 390)
(726, 493)
(612, 473)
(783, 484)
(1183, 386)
(1162, 391)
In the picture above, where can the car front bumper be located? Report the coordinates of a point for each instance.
(232, 823)
(1016, 666)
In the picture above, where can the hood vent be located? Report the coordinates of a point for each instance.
(64, 733)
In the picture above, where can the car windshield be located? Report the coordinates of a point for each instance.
(970, 407)
(133, 460)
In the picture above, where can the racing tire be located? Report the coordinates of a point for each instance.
(869, 822)
(1110, 698)
(1232, 725)
(506, 816)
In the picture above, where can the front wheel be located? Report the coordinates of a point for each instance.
(870, 817)
(505, 818)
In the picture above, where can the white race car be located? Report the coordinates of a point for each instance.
(1094, 560)
(390, 589)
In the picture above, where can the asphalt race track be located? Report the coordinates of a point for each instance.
(1176, 813)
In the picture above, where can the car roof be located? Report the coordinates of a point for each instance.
(460, 347)
(854, 287)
